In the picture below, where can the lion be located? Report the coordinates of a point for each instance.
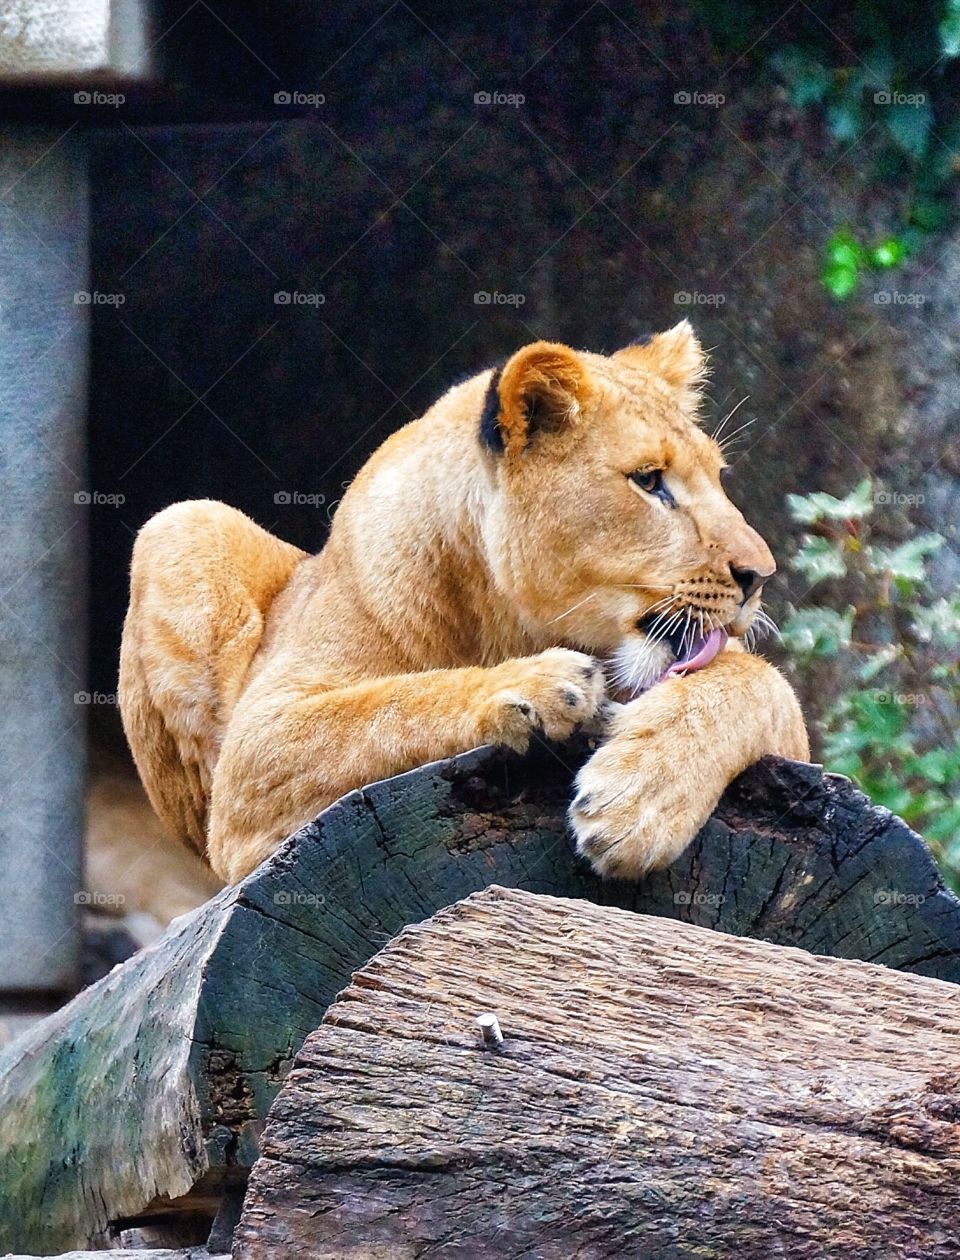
(550, 546)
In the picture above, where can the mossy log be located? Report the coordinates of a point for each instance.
(141, 1102)
(660, 1091)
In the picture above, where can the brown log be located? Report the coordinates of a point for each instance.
(138, 1106)
(662, 1091)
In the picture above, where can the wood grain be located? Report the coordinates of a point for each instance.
(662, 1092)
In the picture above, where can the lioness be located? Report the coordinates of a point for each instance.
(546, 535)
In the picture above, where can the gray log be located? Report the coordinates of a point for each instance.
(143, 1099)
(661, 1092)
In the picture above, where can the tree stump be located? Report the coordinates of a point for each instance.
(661, 1091)
(140, 1103)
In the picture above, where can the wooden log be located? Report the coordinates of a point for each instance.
(141, 1102)
(661, 1092)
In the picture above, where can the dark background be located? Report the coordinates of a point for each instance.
(600, 199)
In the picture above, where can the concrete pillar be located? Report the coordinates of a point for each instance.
(43, 370)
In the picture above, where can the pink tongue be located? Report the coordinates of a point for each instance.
(708, 649)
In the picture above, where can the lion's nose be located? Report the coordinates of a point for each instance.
(749, 580)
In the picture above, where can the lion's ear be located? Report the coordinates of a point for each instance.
(541, 389)
(676, 357)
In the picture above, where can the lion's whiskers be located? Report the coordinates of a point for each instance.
(684, 646)
(762, 625)
(581, 603)
(765, 624)
(660, 607)
(731, 437)
(720, 427)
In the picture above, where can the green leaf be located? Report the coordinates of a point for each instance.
(877, 662)
(818, 559)
(844, 251)
(939, 765)
(908, 561)
(882, 715)
(887, 254)
(807, 79)
(845, 120)
(908, 126)
(877, 70)
(807, 509)
(946, 828)
(839, 282)
(938, 624)
(930, 214)
(844, 258)
(896, 798)
(818, 631)
(948, 674)
(949, 29)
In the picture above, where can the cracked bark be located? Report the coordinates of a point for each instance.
(145, 1096)
(662, 1092)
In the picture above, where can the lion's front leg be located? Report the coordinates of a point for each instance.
(647, 791)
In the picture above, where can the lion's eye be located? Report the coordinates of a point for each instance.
(648, 481)
(651, 482)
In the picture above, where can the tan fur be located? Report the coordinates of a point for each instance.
(460, 599)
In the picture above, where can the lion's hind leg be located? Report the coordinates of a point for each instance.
(202, 578)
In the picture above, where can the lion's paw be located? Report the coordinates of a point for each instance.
(639, 803)
(555, 693)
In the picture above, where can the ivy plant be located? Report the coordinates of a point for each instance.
(868, 68)
(871, 621)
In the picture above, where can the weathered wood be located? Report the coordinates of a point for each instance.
(143, 1099)
(661, 1091)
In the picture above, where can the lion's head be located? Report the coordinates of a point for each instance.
(609, 522)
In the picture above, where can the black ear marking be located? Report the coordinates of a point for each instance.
(490, 432)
